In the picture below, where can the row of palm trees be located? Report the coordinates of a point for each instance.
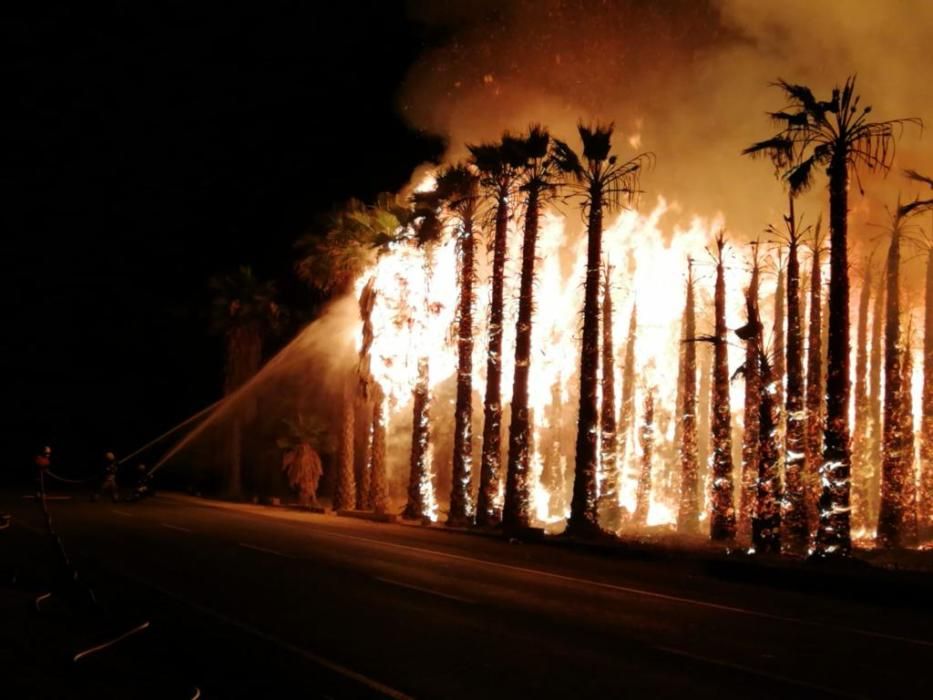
(519, 175)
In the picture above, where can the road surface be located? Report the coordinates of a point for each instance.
(298, 603)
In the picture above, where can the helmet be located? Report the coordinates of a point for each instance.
(109, 457)
(46, 451)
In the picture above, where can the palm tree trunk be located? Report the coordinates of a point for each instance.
(689, 512)
(609, 484)
(766, 522)
(646, 437)
(378, 487)
(364, 483)
(833, 535)
(553, 474)
(862, 409)
(345, 493)
(704, 393)
(627, 407)
(516, 512)
(796, 533)
(419, 477)
(491, 466)
(751, 435)
(909, 494)
(583, 517)
(460, 503)
(778, 367)
(892, 513)
(722, 516)
(925, 505)
(814, 397)
(875, 397)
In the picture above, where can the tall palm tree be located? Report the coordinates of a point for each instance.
(244, 312)
(722, 497)
(813, 401)
(609, 512)
(860, 436)
(538, 183)
(499, 165)
(896, 513)
(875, 399)
(925, 495)
(603, 182)
(796, 534)
(458, 189)
(751, 424)
(766, 517)
(839, 135)
(354, 238)
(427, 228)
(689, 511)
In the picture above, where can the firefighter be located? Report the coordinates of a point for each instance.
(42, 461)
(109, 481)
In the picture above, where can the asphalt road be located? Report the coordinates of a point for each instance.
(254, 602)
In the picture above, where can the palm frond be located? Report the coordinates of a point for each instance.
(779, 149)
(566, 159)
(914, 175)
(597, 140)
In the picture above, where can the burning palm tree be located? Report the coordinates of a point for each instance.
(331, 263)
(751, 434)
(689, 512)
(839, 135)
(925, 496)
(794, 520)
(609, 513)
(244, 311)
(499, 166)
(895, 519)
(458, 189)
(861, 432)
(539, 180)
(603, 183)
(722, 503)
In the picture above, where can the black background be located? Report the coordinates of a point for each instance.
(148, 147)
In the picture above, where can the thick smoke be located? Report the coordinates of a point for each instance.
(688, 80)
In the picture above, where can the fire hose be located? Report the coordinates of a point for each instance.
(75, 581)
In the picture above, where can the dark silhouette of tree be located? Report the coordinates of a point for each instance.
(244, 312)
(689, 511)
(499, 166)
(539, 181)
(603, 183)
(838, 135)
(354, 238)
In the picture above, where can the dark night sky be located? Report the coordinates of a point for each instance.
(151, 145)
